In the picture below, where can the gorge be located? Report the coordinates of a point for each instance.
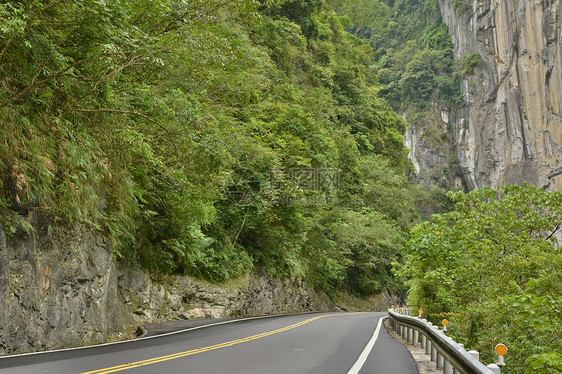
(118, 178)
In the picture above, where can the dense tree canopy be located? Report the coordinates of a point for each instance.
(204, 137)
(413, 50)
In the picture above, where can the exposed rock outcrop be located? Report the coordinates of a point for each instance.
(509, 129)
(56, 292)
(432, 151)
(64, 289)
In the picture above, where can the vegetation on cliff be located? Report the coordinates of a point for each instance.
(205, 137)
(413, 50)
(419, 78)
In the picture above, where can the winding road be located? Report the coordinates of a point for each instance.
(331, 343)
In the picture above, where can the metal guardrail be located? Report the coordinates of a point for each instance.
(449, 356)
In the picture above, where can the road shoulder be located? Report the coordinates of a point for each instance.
(423, 361)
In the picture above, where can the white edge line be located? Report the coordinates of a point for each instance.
(363, 356)
(155, 336)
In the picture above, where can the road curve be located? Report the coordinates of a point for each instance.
(330, 343)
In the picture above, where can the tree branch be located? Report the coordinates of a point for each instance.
(128, 62)
(554, 232)
(52, 5)
(39, 83)
(130, 112)
(239, 231)
(170, 22)
(169, 27)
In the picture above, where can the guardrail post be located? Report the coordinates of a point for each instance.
(428, 343)
(455, 371)
(447, 368)
(494, 369)
(440, 361)
(411, 336)
(433, 349)
(423, 337)
(475, 354)
(415, 338)
(428, 347)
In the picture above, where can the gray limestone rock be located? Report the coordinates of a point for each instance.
(509, 127)
(66, 290)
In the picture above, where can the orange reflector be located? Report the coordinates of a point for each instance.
(501, 349)
(445, 322)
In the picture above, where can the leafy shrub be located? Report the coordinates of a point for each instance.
(466, 64)
(494, 262)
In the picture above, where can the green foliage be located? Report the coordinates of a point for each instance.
(183, 129)
(494, 263)
(461, 6)
(427, 74)
(366, 15)
(413, 50)
(544, 363)
(466, 64)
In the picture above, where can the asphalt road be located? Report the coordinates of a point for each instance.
(331, 343)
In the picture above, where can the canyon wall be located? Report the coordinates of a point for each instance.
(509, 129)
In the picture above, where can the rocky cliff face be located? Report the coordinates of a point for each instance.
(509, 129)
(62, 289)
(45, 303)
(432, 150)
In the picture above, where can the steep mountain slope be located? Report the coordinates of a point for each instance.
(505, 127)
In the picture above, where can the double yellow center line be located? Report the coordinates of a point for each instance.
(156, 360)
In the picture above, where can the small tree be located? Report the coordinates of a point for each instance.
(495, 264)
